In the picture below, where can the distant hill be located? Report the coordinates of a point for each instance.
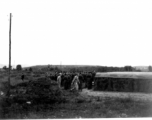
(91, 67)
(64, 67)
(42, 66)
(85, 67)
(69, 66)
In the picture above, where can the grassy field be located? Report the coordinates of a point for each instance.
(37, 103)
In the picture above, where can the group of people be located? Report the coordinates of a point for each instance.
(75, 81)
(70, 80)
(75, 84)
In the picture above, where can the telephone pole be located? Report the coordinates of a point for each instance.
(9, 85)
(61, 66)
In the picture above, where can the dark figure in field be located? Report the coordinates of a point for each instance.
(67, 82)
(63, 77)
(22, 77)
(53, 76)
(85, 80)
(93, 77)
(89, 81)
(81, 81)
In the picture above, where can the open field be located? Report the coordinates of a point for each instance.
(124, 95)
(38, 97)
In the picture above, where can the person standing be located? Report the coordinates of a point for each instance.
(81, 81)
(75, 83)
(22, 77)
(93, 78)
(59, 80)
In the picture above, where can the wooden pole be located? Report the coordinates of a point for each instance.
(61, 66)
(9, 85)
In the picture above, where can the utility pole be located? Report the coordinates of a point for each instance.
(9, 55)
(61, 66)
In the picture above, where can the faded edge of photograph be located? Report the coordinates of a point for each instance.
(75, 59)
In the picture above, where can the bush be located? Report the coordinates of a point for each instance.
(39, 91)
(19, 67)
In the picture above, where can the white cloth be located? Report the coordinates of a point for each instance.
(75, 83)
(59, 81)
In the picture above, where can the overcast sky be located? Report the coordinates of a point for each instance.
(78, 32)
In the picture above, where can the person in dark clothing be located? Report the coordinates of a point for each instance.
(67, 82)
(89, 81)
(93, 78)
(81, 81)
(22, 77)
(63, 79)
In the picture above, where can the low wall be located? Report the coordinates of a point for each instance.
(123, 84)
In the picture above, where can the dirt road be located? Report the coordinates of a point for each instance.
(135, 96)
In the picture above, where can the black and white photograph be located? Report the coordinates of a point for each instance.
(75, 59)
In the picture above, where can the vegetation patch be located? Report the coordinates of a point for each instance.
(41, 98)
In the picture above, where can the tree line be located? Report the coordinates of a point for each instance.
(74, 68)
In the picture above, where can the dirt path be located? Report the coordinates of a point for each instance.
(135, 96)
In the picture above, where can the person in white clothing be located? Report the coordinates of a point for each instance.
(59, 80)
(75, 83)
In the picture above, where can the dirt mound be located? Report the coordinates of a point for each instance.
(35, 92)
